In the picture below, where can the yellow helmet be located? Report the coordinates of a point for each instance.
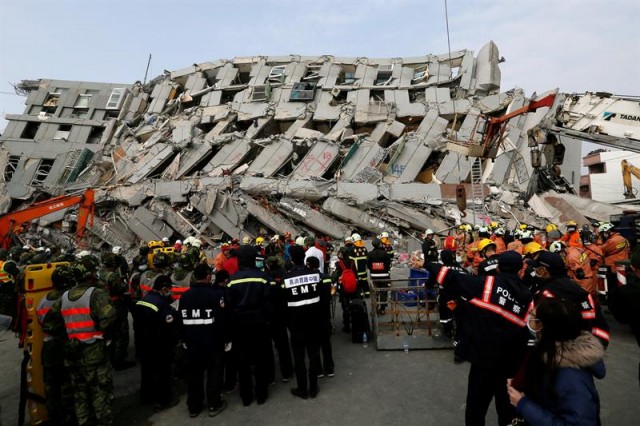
(532, 248)
(259, 241)
(551, 227)
(523, 226)
(572, 223)
(484, 243)
(494, 225)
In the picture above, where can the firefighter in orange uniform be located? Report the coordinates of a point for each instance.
(572, 237)
(578, 264)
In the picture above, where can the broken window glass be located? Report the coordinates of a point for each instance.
(276, 74)
(51, 103)
(95, 135)
(42, 171)
(385, 72)
(10, 168)
(303, 91)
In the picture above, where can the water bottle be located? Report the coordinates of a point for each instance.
(365, 342)
(405, 347)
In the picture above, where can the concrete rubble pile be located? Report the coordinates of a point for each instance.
(284, 144)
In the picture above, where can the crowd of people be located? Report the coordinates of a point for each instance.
(222, 322)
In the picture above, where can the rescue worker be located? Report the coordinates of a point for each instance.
(572, 237)
(489, 263)
(57, 381)
(624, 300)
(554, 282)
(260, 255)
(156, 325)
(516, 244)
(204, 331)
(498, 240)
(197, 255)
(327, 366)
(379, 266)
(429, 246)
(596, 260)
(496, 317)
(359, 259)
(578, 264)
(305, 294)
(121, 261)
(614, 247)
(116, 287)
(165, 242)
(86, 314)
(159, 264)
(452, 311)
(219, 260)
(528, 273)
(182, 276)
(386, 244)
(344, 262)
(9, 272)
(248, 303)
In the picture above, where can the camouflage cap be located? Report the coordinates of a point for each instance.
(160, 259)
(108, 259)
(63, 277)
(85, 268)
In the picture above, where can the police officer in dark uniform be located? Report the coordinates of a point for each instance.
(452, 311)
(305, 293)
(554, 282)
(204, 331)
(379, 266)
(359, 258)
(156, 330)
(429, 246)
(248, 303)
(497, 312)
(489, 266)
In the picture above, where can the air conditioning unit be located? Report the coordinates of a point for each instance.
(335, 92)
(385, 67)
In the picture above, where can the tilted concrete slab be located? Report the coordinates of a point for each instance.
(361, 193)
(225, 214)
(317, 161)
(192, 157)
(313, 218)
(357, 216)
(302, 189)
(454, 168)
(150, 162)
(275, 153)
(367, 154)
(273, 220)
(413, 216)
(230, 156)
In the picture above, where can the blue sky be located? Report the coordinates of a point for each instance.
(574, 45)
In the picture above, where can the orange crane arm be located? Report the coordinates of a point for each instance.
(43, 208)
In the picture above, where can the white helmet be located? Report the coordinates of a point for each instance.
(178, 242)
(40, 249)
(605, 227)
(116, 250)
(383, 235)
(196, 243)
(429, 232)
(526, 234)
(348, 240)
(499, 231)
(356, 238)
(556, 247)
(82, 254)
(165, 239)
(483, 230)
(300, 241)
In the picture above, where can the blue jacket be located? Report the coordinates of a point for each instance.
(576, 400)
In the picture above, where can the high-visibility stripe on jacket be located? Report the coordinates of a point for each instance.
(492, 301)
(44, 306)
(77, 317)
(4, 276)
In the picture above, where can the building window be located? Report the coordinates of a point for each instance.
(82, 101)
(116, 98)
(63, 133)
(80, 113)
(51, 103)
(43, 170)
(260, 94)
(276, 75)
(312, 72)
(10, 168)
(303, 91)
(384, 75)
(95, 135)
(597, 168)
(30, 130)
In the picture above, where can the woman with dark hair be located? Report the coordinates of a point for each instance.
(556, 384)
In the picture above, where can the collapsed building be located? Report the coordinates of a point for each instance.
(292, 143)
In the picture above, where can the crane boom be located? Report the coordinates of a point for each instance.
(43, 208)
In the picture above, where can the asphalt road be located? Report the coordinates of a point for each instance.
(421, 387)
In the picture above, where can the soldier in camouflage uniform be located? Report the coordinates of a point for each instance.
(121, 261)
(182, 277)
(117, 287)
(57, 381)
(85, 313)
(160, 265)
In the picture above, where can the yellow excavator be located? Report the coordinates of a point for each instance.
(627, 171)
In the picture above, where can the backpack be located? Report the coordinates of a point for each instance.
(348, 279)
